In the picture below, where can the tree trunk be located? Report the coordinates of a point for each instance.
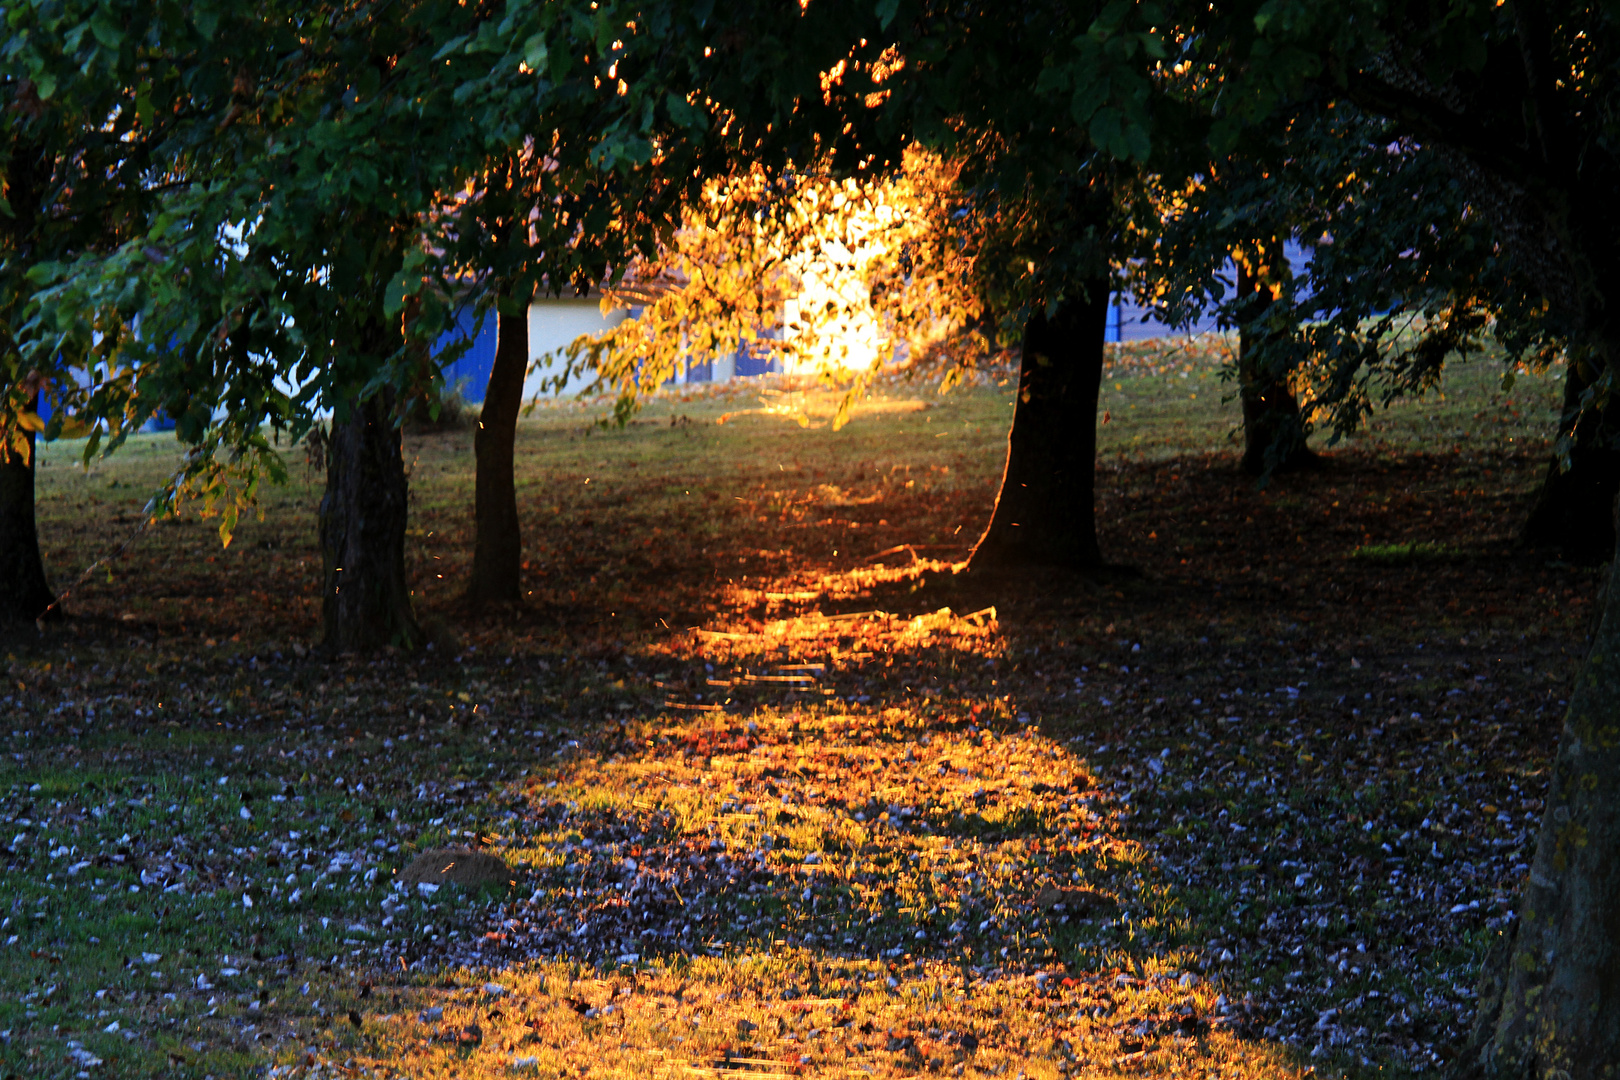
(1273, 430)
(1571, 511)
(366, 602)
(1550, 1004)
(25, 595)
(1045, 513)
(498, 548)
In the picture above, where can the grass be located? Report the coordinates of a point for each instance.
(780, 791)
(1399, 554)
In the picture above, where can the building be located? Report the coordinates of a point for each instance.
(554, 322)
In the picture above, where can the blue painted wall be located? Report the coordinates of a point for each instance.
(1133, 323)
(752, 361)
(472, 368)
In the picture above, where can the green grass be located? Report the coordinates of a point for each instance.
(1400, 554)
(932, 769)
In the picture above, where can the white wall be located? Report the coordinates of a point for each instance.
(553, 323)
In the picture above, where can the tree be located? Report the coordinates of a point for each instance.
(75, 174)
(1053, 116)
(365, 601)
(1045, 512)
(550, 217)
(498, 543)
(24, 591)
(1583, 478)
(1514, 102)
(1273, 428)
(272, 265)
(319, 225)
(1045, 147)
(1519, 96)
(1032, 136)
(1400, 277)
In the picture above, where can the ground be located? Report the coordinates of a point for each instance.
(782, 791)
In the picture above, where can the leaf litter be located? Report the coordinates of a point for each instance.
(1259, 816)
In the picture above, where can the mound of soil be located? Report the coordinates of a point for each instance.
(456, 866)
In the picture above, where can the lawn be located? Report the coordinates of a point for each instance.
(781, 792)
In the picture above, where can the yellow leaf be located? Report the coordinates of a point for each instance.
(19, 445)
(30, 422)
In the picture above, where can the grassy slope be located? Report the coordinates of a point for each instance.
(1276, 759)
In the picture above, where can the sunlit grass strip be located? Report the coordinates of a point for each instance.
(794, 1013)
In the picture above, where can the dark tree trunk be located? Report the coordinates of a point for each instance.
(25, 595)
(366, 602)
(1550, 1004)
(1571, 511)
(1045, 513)
(498, 547)
(1273, 430)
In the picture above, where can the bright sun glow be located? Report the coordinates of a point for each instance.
(831, 321)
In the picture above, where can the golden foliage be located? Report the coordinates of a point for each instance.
(836, 279)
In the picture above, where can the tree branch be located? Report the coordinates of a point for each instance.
(1434, 121)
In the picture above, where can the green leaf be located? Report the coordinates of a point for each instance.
(1105, 128)
(43, 273)
(682, 112)
(886, 11)
(45, 85)
(106, 31)
(1138, 144)
(73, 427)
(206, 22)
(453, 45)
(398, 291)
(1089, 96)
(486, 40)
(535, 52)
(1224, 134)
